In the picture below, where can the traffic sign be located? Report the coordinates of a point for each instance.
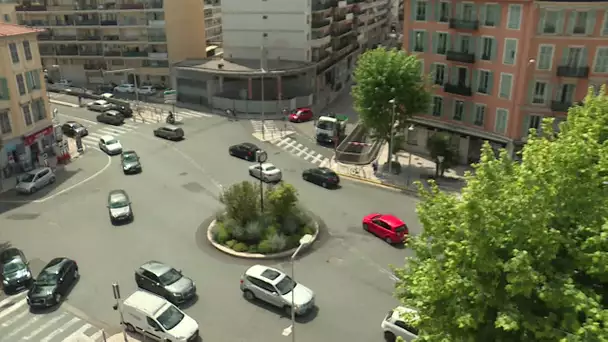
(170, 96)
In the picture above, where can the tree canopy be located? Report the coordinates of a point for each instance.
(523, 255)
(383, 75)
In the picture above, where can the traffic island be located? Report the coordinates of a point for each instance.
(261, 222)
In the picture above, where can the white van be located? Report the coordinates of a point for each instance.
(156, 318)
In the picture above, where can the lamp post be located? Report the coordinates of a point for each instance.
(390, 144)
(261, 157)
(304, 241)
(409, 158)
(440, 159)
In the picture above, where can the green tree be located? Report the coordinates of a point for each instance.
(242, 202)
(281, 200)
(523, 255)
(384, 75)
(439, 145)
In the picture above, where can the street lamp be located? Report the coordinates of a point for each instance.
(261, 158)
(304, 241)
(390, 144)
(409, 158)
(440, 159)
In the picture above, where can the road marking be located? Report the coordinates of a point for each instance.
(284, 141)
(13, 308)
(11, 299)
(28, 323)
(317, 159)
(14, 319)
(46, 325)
(78, 333)
(115, 130)
(61, 329)
(67, 104)
(78, 118)
(96, 336)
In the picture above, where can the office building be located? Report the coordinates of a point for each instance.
(501, 67)
(213, 22)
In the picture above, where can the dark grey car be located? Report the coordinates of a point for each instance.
(111, 117)
(16, 273)
(169, 132)
(165, 281)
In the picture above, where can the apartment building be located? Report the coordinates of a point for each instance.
(141, 37)
(7, 12)
(26, 128)
(499, 68)
(213, 22)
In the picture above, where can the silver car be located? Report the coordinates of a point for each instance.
(266, 172)
(165, 281)
(275, 287)
(100, 105)
(35, 180)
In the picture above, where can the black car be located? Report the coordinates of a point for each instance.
(244, 151)
(16, 274)
(130, 163)
(322, 176)
(119, 207)
(165, 281)
(53, 283)
(127, 112)
(73, 129)
(111, 117)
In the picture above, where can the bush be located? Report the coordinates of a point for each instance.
(293, 241)
(231, 243)
(220, 215)
(254, 231)
(221, 235)
(253, 249)
(240, 247)
(238, 232)
(302, 216)
(277, 243)
(308, 230)
(230, 225)
(241, 202)
(270, 231)
(290, 225)
(264, 247)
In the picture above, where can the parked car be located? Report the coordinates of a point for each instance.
(73, 129)
(99, 105)
(111, 117)
(107, 95)
(119, 207)
(301, 115)
(63, 83)
(165, 281)
(106, 88)
(16, 274)
(245, 151)
(126, 111)
(110, 145)
(125, 88)
(275, 287)
(387, 227)
(146, 90)
(266, 172)
(34, 180)
(169, 132)
(129, 160)
(155, 317)
(53, 283)
(395, 324)
(321, 176)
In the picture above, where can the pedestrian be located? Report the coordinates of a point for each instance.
(79, 100)
(375, 166)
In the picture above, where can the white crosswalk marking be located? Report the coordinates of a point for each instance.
(61, 329)
(78, 332)
(299, 150)
(44, 326)
(13, 308)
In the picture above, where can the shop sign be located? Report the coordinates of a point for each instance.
(30, 139)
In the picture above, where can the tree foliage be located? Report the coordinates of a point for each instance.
(383, 75)
(523, 255)
(242, 202)
(281, 200)
(438, 145)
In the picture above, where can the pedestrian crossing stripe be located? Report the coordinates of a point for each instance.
(268, 126)
(299, 150)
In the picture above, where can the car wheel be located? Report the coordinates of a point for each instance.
(52, 180)
(366, 227)
(57, 298)
(248, 295)
(305, 177)
(129, 328)
(265, 179)
(33, 189)
(324, 185)
(230, 153)
(389, 241)
(76, 274)
(251, 173)
(287, 309)
(389, 336)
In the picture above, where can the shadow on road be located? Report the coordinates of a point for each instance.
(282, 312)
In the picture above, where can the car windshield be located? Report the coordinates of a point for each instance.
(270, 168)
(47, 278)
(286, 285)
(326, 125)
(112, 142)
(170, 277)
(131, 157)
(400, 229)
(118, 201)
(170, 318)
(13, 266)
(27, 178)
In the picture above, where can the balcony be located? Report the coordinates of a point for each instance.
(339, 17)
(89, 38)
(570, 71)
(87, 22)
(320, 7)
(111, 38)
(132, 6)
(460, 24)
(353, 2)
(155, 5)
(320, 39)
(320, 24)
(158, 55)
(337, 33)
(30, 8)
(91, 53)
(320, 57)
(463, 57)
(44, 36)
(559, 106)
(155, 64)
(67, 52)
(65, 38)
(94, 67)
(157, 38)
(458, 89)
(109, 22)
(112, 53)
(156, 23)
(135, 54)
(47, 52)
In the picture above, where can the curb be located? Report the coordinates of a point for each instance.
(275, 140)
(256, 256)
(378, 183)
(61, 103)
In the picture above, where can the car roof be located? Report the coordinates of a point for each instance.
(173, 128)
(392, 220)
(272, 275)
(249, 145)
(156, 267)
(10, 254)
(267, 165)
(72, 122)
(304, 108)
(34, 171)
(117, 192)
(112, 112)
(107, 137)
(145, 302)
(55, 265)
(101, 101)
(325, 170)
(128, 152)
(399, 311)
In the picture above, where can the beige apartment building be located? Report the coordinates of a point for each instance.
(26, 128)
(141, 37)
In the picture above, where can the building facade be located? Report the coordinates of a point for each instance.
(213, 22)
(26, 127)
(499, 68)
(83, 37)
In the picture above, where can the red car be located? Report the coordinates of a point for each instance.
(300, 115)
(388, 227)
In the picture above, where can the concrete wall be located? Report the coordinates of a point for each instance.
(255, 107)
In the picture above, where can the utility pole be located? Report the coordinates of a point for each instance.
(263, 71)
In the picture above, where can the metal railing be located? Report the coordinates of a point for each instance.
(357, 154)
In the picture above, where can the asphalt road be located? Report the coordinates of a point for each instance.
(173, 200)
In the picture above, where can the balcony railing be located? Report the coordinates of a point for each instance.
(458, 89)
(463, 57)
(30, 8)
(339, 17)
(109, 22)
(570, 71)
(156, 23)
(132, 6)
(155, 4)
(157, 38)
(135, 54)
(45, 52)
(67, 52)
(317, 24)
(320, 40)
(318, 7)
(340, 32)
(464, 24)
(559, 106)
(64, 38)
(44, 37)
(111, 38)
(91, 53)
(155, 64)
(94, 67)
(158, 55)
(89, 38)
(89, 22)
(112, 53)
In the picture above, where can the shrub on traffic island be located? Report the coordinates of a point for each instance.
(243, 227)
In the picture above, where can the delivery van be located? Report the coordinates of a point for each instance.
(158, 319)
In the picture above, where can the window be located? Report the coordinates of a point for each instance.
(580, 22)
(21, 84)
(465, 44)
(502, 116)
(444, 12)
(419, 41)
(440, 74)
(534, 122)
(421, 10)
(442, 43)
(545, 57)
(600, 64)
(5, 122)
(510, 51)
(484, 82)
(550, 25)
(605, 26)
(27, 114)
(487, 48)
(38, 110)
(540, 93)
(492, 14)
(14, 53)
(458, 110)
(4, 93)
(7, 18)
(437, 106)
(566, 93)
(506, 82)
(27, 50)
(514, 17)
(480, 113)
(467, 12)
(574, 56)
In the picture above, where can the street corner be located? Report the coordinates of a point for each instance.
(67, 177)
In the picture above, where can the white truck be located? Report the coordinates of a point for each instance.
(330, 128)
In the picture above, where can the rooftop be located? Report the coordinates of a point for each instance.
(9, 30)
(244, 66)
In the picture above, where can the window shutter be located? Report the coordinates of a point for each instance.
(482, 14)
(474, 12)
(28, 81)
(565, 56)
(525, 126)
(531, 91)
(412, 43)
(560, 22)
(475, 83)
(474, 42)
(453, 75)
(571, 22)
(434, 41)
(497, 10)
(490, 82)
(436, 10)
(558, 95)
(449, 42)
(448, 104)
(459, 10)
(494, 49)
(468, 80)
(548, 92)
(590, 22)
(583, 62)
(427, 38)
(5, 92)
(413, 9)
(479, 50)
(446, 73)
(457, 43)
(36, 79)
(541, 24)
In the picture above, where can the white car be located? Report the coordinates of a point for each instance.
(395, 325)
(266, 172)
(125, 88)
(146, 90)
(110, 145)
(107, 95)
(100, 105)
(35, 180)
